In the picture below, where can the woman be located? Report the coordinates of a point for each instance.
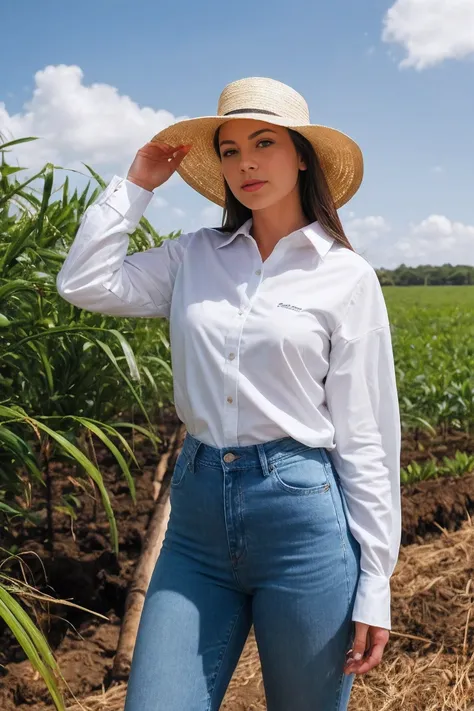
(285, 499)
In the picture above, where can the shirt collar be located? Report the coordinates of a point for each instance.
(243, 230)
(318, 237)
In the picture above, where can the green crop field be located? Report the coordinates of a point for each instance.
(433, 341)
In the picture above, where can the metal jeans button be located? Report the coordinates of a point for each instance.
(229, 457)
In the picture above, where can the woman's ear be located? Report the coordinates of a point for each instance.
(302, 164)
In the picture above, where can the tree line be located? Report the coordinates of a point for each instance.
(427, 275)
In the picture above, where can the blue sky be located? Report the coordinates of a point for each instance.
(97, 80)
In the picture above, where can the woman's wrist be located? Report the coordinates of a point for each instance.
(140, 183)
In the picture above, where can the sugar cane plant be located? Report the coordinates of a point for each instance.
(65, 373)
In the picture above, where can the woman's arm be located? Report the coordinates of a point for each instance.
(98, 276)
(362, 399)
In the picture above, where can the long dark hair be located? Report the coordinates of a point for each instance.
(316, 199)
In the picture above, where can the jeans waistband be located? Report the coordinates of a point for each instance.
(243, 457)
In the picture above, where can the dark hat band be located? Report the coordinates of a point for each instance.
(251, 111)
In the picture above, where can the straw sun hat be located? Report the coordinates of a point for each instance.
(271, 101)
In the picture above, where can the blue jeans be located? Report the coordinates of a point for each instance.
(257, 535)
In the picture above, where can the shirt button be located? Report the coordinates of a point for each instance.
(231, 356)
(241, 313)
(258, 272)
(230, 400)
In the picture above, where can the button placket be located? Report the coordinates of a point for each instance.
(253, 286)
(231, 369)
(231, 376)
(232, 352)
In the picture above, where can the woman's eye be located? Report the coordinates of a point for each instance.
(264, 143)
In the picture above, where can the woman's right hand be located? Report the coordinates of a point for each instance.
(155, 162)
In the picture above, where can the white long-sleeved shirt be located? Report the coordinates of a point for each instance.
(297, 345)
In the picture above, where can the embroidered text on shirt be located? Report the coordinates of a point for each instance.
(290, 306)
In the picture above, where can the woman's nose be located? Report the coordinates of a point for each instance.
(247, 163)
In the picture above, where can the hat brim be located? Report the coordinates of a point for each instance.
(340, 157)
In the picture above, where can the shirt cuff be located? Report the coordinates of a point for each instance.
(127, 198)
(372, 603)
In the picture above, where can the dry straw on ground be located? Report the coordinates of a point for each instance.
(429, 662)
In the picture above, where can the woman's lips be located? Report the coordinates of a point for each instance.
(253, 186)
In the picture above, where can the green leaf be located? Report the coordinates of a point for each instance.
(95, 175)
(21, 449)
(17, 141)
(6, 170)
(87, 465)
(8, 509)
(48, 186)
(17, 189)
(93, 427)
(33, 644)
(113, 360)
(139, 428)
(128, 353)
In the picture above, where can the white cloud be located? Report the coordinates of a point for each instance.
(364, 231)
(77, 123)
(437, 240)
(373, 223)
(158, 201)
(431, 30)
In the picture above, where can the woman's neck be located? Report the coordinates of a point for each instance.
(271, 224)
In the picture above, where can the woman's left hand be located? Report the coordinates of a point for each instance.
(369, 643)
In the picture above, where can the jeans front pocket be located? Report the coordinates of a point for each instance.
(303, 473)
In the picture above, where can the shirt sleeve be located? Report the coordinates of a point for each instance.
(362, 399)
(97, 275)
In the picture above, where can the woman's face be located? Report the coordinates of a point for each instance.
(258, 151)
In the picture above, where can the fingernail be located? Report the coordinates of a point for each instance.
(357, 656)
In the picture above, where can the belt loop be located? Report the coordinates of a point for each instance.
(263, 459)
(191, 444)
